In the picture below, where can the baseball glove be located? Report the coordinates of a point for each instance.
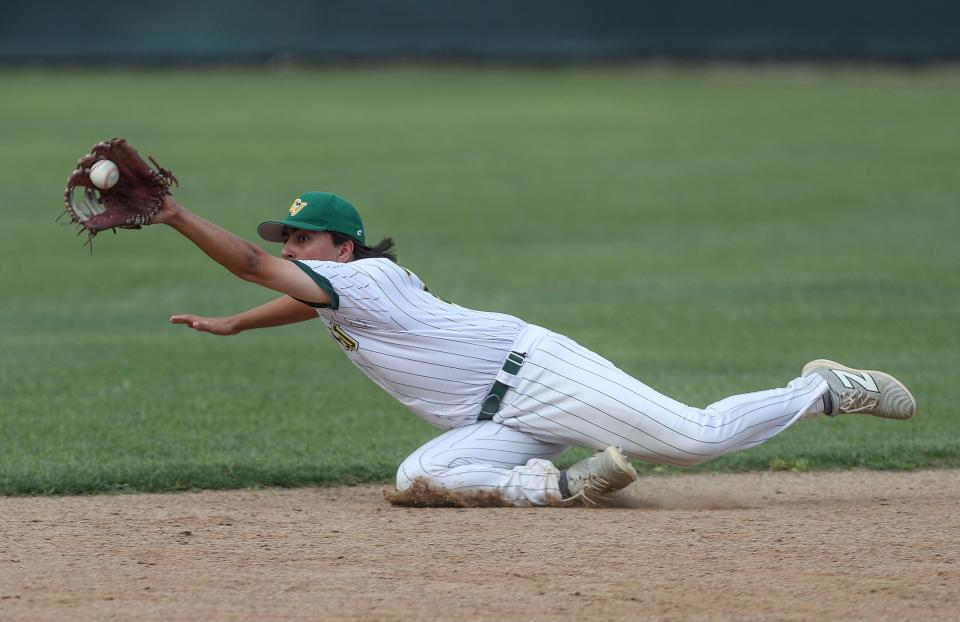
(132, 202)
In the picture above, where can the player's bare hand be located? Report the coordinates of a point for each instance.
(213, 325)
(169, 211)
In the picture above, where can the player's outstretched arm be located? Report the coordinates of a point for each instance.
(279, 312)
(244, 259)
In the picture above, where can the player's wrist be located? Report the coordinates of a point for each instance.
(171, 213)
(233, 325)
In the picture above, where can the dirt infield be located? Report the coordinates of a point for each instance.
(784, 546)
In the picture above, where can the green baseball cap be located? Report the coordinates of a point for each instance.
(316, 211)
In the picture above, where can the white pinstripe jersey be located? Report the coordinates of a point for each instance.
(437, 358)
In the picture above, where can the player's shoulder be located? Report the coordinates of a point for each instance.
(371, 262)
(328, 269)
(318, 263)
(383, 269)
(378, 266)
(373, 268)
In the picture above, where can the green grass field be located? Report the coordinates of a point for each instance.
(707, 230)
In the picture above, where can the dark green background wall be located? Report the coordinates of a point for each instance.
(246, 30)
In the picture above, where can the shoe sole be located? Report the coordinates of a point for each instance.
(808, 368)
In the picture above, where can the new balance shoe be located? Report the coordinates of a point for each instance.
(862, 391)
(600, 474)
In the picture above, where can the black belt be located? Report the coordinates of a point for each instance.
(491, 403)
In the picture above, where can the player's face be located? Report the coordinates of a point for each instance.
(303, 244)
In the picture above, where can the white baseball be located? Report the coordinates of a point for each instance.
(104, 174)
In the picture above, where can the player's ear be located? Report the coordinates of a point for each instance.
(345, 251)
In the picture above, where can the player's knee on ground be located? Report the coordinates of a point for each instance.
(429, 464)
(414, 468)
(427, 467)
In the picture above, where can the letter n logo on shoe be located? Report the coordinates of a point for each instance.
(849, 377)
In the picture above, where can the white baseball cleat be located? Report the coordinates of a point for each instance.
(862, 391)
(600, 474)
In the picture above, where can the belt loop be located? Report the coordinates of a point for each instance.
(513, 363)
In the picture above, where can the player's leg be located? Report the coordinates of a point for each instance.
(487, 457)
(567, 394)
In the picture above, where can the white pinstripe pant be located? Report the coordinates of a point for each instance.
(567, 395)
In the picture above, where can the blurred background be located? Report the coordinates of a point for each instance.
(708, 194)
(245, 31)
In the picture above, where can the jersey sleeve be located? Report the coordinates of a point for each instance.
(320, 272)
(352, 292)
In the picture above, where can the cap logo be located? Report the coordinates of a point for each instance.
(298, 205)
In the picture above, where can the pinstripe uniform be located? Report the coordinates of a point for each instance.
(440, 360)
(436, 358)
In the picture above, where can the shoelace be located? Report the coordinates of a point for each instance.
(593, 483)
(857, 401)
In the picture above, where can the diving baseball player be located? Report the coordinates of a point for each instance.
(510, 396)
